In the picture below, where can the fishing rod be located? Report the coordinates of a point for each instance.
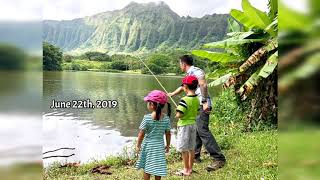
(157, 80)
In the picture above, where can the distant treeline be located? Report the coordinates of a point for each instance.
(15, 58)
(160, 62)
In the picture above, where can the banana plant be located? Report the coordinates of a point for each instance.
(299, 64)
(301, 59)
(259, 32)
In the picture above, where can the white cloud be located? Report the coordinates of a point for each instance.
(21, 10)
(70, 9)
(236, 4)
(299, 5)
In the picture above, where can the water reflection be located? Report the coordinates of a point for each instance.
(20, 118)
(128, 90)
(90, 141)
(95, 133)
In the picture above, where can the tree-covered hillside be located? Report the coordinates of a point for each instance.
(137, 27)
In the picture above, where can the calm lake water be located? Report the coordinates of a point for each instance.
(20, 117)
(96, 133)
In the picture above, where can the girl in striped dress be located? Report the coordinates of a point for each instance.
(150, 139)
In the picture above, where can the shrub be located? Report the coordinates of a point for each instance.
(66, 66)
(119, 65)
(11, 57)
(104, 66)
(52, 57)
(154, 68)
(75, 66)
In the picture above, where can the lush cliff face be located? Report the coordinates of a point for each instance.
(137, 27)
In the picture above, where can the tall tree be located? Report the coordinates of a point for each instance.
(11, 57)
(52, 57)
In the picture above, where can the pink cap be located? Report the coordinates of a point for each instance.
(156, 96)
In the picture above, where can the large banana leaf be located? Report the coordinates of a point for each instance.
(260, 18)
(269, 66)
(237, 38)
(293, 20)
(273, 9)
(242, 18)
(218, 57)
(273, 27)
(220, 81)
(240, 35)
(312, 46)
(231, 42)
(252, 17)
(221, 71)
(305, 70)
(315, 8)
(233, 25)
(249, 85)
(256, 77)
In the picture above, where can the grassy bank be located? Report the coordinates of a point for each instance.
(250, 156)
(21, 171)
(299, 153)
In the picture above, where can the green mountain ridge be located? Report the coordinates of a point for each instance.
(135, 28)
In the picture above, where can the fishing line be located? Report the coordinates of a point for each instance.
(157, 80)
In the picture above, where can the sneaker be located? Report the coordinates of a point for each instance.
(216, 165)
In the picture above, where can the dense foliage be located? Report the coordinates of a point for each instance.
(248, 63)
(52, 57)
(11, 57)
(160, 62)
(299, 65)
(96, 56)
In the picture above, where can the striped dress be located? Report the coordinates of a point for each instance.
(152, 156)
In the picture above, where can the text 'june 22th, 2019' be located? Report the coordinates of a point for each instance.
(83, 104)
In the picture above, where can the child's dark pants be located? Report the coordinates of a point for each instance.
(205, 137)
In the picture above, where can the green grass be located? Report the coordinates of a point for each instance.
(299, 154)
(83, 65)
(22, 171)
(251, 156)
(132, 71)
